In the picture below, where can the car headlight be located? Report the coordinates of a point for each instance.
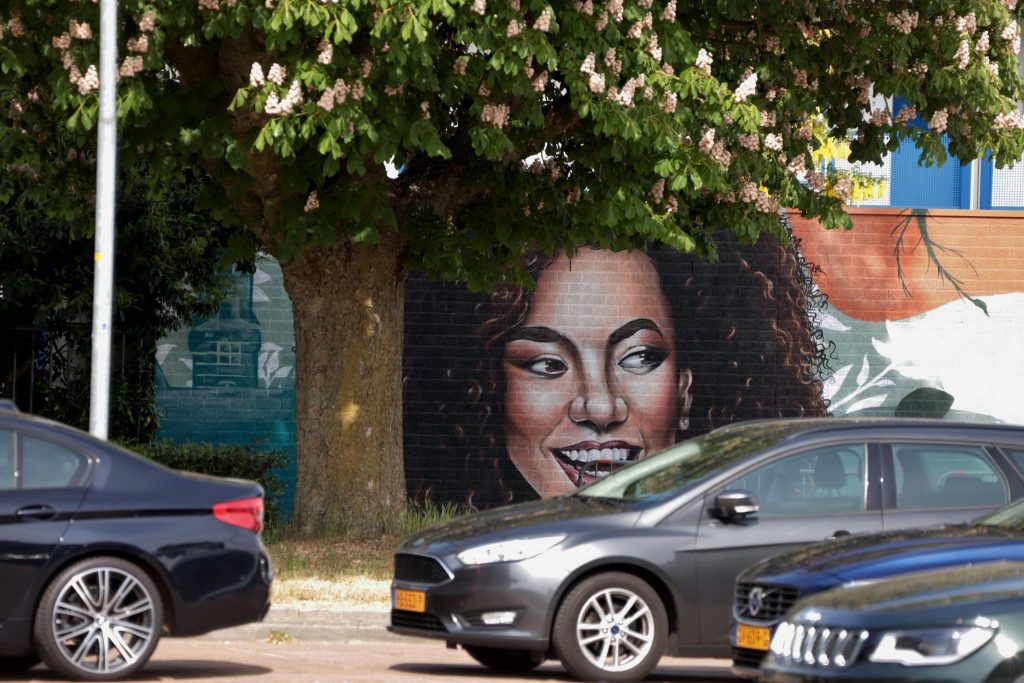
(930, 646)
(509, 551)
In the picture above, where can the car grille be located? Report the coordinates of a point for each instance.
(762, 603)
(746, 657)
(817, 646)
(419, 569)
(416, 620)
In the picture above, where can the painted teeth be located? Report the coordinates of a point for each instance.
(613, 454)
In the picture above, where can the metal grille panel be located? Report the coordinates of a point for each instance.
(416, 620)
(817, 645)
(768, 608)
(419, 569)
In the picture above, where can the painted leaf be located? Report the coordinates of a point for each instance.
(870, 402)
(260, 276)
(833, 383)
(827, 321)
(862, 376)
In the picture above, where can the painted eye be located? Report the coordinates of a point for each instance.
(642, 361)
(547, 367)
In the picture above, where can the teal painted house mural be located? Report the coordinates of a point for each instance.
(230, 379)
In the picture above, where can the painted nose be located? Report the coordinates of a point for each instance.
(600, 408)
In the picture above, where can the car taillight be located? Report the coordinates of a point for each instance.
(246, 513)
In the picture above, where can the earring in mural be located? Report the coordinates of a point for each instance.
(684, 424)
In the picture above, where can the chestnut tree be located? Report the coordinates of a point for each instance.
(506, 124)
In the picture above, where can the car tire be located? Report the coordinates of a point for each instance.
(11, 665)
(98, 620)
(610, 627)
(501, 659)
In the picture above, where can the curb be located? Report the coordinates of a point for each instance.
(313, 623)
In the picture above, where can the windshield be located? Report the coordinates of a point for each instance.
(1009, 516)
(687, 463)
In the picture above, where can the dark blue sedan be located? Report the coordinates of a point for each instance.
(954, 625)
(102, 551)
(767, 590)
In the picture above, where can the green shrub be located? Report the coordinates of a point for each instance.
(240, 462)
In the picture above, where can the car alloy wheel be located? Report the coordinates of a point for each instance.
(611, 627)
(99, 620)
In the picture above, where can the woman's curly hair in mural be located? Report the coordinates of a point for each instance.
(744, 328)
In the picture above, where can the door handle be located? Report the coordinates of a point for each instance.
(838, 534)
(39, 512)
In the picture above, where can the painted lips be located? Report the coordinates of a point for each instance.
(586, 461)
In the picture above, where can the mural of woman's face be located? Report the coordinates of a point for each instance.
(592, 372)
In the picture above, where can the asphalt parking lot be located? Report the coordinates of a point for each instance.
(305, 646)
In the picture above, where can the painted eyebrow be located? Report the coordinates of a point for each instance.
(631, 328)
(536, 334)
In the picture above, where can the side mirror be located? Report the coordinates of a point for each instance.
(735, 504)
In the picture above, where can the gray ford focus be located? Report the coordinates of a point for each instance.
(641, 561)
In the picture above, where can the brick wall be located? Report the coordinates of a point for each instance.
(497, 384)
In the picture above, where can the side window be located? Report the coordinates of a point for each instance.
(6, 459)
(49, 465)
(935, 476)
(821, 481)
(1017, 455)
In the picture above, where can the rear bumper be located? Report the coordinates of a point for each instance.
(244, 602)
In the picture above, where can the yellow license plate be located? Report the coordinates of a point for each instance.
(753, 637)
(412, 601)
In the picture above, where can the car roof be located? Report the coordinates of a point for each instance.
(799, 426)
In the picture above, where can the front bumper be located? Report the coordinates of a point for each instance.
(452, 609)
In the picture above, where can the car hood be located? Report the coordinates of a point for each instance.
(870, 557)
(977, 589)
(537, 518)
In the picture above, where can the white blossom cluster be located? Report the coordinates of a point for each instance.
(543, 22)
(1008, 121)
(843, 188)
(326, 54)
(669, 13)
(750, 141)
(761, 200)
(939, 121)
(905, 114)
(312, 202)
(293, 98)
(496, 114)
(131, 65)
(746, 88)
(80, 30)
(138, 44)
(704, 61)
(904, 22)
(880, 117)
(214, 5)
(658, 191)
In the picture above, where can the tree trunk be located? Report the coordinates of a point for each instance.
(347, 306)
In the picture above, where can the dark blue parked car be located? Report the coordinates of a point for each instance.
(765, 591)
(960, 625)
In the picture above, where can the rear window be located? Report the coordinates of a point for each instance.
(934, 476)
(47, 465)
